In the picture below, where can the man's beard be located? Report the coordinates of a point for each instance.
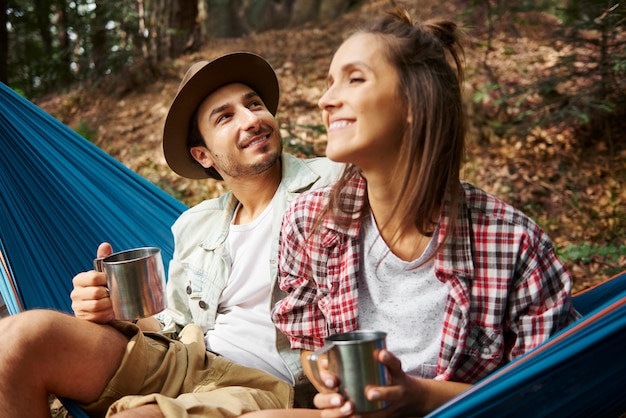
(230, 167)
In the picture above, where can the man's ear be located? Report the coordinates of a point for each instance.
(203, 156)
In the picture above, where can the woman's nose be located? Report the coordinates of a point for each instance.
(328, 100)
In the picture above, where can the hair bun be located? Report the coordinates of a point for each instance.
(444, 30)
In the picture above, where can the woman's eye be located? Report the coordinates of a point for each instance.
(356, 80)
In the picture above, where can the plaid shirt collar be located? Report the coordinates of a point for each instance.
(459, 244)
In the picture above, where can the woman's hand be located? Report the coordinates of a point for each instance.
(398, 394)
(405, 395)
(331, 403)
(90, 296)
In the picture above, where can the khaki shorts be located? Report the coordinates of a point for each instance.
(186, 380)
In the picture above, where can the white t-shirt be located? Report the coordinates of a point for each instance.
(244, 332)
(404, 301)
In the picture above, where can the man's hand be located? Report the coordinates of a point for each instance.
(90, 296)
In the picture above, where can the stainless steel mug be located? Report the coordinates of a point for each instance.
(136, 282)
(352, 357)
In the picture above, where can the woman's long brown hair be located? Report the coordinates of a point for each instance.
(428, 58)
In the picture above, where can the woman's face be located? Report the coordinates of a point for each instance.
(362, 110)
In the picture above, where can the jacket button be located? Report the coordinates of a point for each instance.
(485, 350)
(188, 290)
(203, 305)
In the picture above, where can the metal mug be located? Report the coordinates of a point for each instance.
(352, 357)
(136, 282)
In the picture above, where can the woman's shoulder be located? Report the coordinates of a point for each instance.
(495, 209)
(311, 200)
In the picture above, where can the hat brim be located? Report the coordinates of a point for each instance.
(239, 67)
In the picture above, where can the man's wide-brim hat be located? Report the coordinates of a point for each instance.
(202, 79)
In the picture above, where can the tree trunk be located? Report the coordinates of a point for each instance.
(42, 12)
(4, 43)
(223, 19)
(232, 18)
(155, 28)
(268, 14)
(65, 54)
(144, 32)
(331, 9)
(183, 30)
(304, 11)
(99, 38)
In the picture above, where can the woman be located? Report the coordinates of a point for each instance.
(461, 282)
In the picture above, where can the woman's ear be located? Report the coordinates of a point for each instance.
(203, 156)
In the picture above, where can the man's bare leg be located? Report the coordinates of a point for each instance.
(50, 352)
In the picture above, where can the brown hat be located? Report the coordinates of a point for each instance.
(202, 79)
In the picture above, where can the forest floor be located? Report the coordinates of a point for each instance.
(572, 183)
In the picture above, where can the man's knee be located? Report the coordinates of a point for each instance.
(19, 333)
(25, 325)
(27, 330)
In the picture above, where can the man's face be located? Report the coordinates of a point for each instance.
(241, 135)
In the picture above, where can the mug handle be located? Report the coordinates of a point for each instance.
(98, 264)
(313, 357)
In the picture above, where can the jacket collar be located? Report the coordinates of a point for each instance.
(296, 177)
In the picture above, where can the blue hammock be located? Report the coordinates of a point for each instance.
(61, 196)
(579, 372)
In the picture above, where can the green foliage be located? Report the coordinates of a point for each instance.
(484, 92)
(50, 48)
(608, 255)
(586, 252)
(86, 131)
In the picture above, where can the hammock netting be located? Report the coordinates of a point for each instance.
(60, 196)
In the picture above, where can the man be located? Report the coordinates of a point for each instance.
(225, 356)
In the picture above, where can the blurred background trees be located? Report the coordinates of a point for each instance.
(50, 44)
(47, 45)
(588, 88)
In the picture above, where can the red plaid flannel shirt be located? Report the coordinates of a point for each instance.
(508, 291)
